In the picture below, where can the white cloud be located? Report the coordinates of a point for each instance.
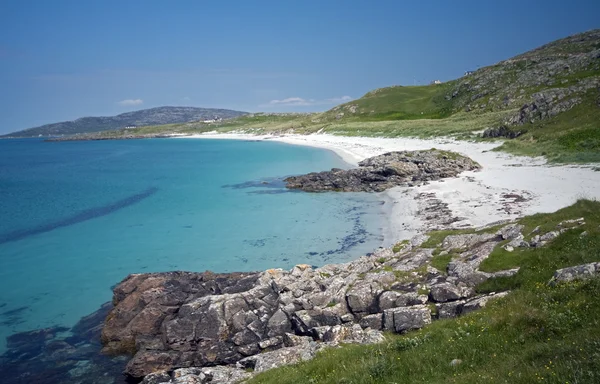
(343, 99)
(130, 102)
(300, 102)
(296, 101)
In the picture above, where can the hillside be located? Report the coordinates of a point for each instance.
(145, 117)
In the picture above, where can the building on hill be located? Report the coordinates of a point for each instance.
(130, 127)
(436, 82)
(467, 73)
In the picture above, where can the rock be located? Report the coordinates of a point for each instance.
(157, 378)
(379, 173)
(541, 240)
(503, 131)
(362, 297)
(455, 362)
(481, 301)
(284, 356)
(444, 292)
(466, 241)
(511, 231)
(406, 319)
(579, 272)
(374, 321)
(225, 375)
(449, 310)
(506, 273)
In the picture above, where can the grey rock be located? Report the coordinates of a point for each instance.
(362, 297)
(466, 240)
(374, 321)
(379, 173)
(511, 231)
(481, 301)
(225, 375)
(284, 356)
(405, 319)
(444, 292)
(157, 378)
(449, 310)
(578, 272)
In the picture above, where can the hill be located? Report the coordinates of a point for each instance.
(145, 117)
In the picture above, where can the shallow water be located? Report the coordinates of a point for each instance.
(77, 217)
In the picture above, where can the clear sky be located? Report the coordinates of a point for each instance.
(60, 60)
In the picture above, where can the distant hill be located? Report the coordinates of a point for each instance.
(145, 117)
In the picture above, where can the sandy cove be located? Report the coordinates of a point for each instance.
(506, 188)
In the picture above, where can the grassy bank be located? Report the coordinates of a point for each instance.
(538, 333)
(570, 137)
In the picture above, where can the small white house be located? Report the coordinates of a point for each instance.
(130, 127)
(436, 82)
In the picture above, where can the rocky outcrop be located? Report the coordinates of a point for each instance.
(376, 174)
(579, 272)
(184, 327)
(233, 323)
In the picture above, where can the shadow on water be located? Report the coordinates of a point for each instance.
(88, 214)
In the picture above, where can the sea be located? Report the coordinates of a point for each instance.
(77, 217)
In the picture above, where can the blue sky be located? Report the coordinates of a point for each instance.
(60, 60)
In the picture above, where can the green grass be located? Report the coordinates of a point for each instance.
(398, 103)
(570, 137)
(440, 262)
(537, 334)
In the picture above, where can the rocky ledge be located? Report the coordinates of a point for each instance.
(185, 327)
(376, 174)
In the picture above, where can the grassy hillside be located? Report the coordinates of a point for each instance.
(571, 137)
(537, 334)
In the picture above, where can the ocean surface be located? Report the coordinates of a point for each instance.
(78, 217)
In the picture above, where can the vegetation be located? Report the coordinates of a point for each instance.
(570, 137)
(538, 333)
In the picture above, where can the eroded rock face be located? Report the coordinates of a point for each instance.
(382, 172)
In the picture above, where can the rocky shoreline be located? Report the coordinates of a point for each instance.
(392, 169)
(226, 325)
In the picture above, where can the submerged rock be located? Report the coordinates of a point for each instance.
(376, 174)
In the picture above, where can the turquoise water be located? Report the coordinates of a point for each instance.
(77, 217)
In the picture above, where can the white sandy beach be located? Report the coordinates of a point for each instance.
(506, 188)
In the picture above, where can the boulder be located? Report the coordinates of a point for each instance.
(578, 272)
(382, 172)
(406, 319)
(444, 292)
(481, 301)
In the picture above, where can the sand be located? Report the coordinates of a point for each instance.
(507, 187)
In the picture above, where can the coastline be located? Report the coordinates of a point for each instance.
(508, 187)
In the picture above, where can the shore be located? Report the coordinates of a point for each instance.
(508, 187)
